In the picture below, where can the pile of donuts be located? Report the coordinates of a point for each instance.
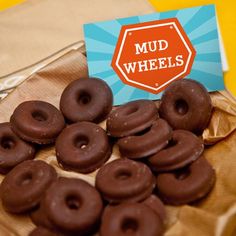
(161, 160)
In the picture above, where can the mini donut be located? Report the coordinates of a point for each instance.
(73, 206)
(37, 122)
(185, 147)
(156, 205)
(13, 150)
(86, 99)
(40, 231)
(82, 147)
(186, 185)
(124, 180)
(22, 188)
(131, 219)
(186, 104)
(131, 118)
(152, 141)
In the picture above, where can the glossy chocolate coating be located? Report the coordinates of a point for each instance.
(131, 118)
(13, 150)
(152, 141)
(124, 180)
(185, 149)
(86, 99)
(156, 205)
(82, 147)
(186, 185)
(73, 205)
(131, 219)
(37, 122)
(186, 104)
(24, 186)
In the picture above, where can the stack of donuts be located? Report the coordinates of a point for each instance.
(161, 160)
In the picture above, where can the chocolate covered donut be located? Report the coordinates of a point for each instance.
(131, 118)
(156, 205)
(188, 184)
(86, 99)
(124, 180)
(152, 141)
(23, 187)
(37, 122)
(186, 104)
(73, 206)
(13, 150)
(185, 148)
(82, 147)
(131, 219)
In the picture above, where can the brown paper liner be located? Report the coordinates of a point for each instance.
(214, 215)
(35, 29)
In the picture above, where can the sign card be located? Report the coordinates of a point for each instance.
(140, 56)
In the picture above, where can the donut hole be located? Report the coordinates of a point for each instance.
(81, 142)
(171, 143)
(25, 179)
(73, 202)
(123, 174)
(131, 110)
(39, 116)
(181, 107)
(143, 132)
(84, 98)
(182, 173)
(7, 142)
(129, 225)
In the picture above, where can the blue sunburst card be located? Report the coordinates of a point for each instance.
(198, 23)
